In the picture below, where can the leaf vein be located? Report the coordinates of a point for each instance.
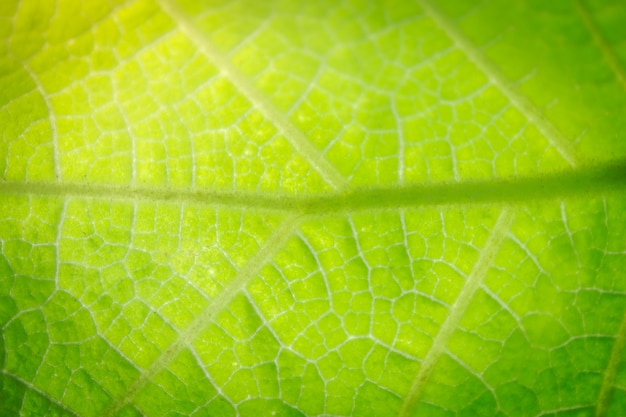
(601, 43)
(583, 182)
(45, 395)
(204, 318)
(51, 119)
(261, 103)
(487, 255)
(495, 76)
(610, 372)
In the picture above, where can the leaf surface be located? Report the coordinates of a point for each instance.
(355, 208)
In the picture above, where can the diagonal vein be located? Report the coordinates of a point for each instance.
(271, 246)
(258, 99)
(51, 118)
(600, 42)
(523, 104)
(606, 390)
(457, 310)
(488, 253)
(43, 394)
(619, 346)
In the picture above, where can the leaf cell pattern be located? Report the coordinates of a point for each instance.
(354, 208)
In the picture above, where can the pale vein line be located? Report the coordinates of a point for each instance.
(45, 395)
(607, 53)
(529, 110)
(51, 119)
(608, 381)
(57, 244)
(619, 346)
(499, 231)
(401, 140)
(260, 102)
(487, 255)
(555, 411)
(204, 318)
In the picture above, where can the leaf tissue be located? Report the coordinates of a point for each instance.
(313, 208)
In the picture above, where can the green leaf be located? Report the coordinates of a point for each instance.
(313, 208)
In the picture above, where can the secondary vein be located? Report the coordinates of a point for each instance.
(260, 102)
(51, 119)
(487, 255)
(43, 394)
(525, 106)
(207, 316)
(600, 42)
(610, 372)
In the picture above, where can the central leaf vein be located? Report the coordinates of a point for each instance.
(584, 181)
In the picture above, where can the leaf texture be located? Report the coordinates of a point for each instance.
(354, 208)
